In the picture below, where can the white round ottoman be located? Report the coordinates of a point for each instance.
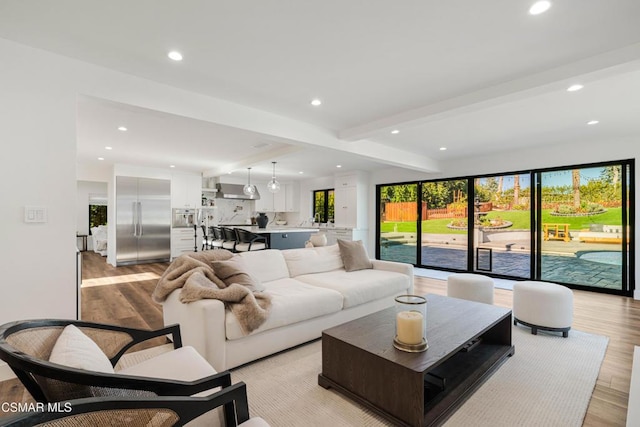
(472, 287)
(543, 305)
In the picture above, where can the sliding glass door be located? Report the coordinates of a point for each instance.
(571, 227)
(398, 223)
(444, 226)
(502, 225)
(585, 226)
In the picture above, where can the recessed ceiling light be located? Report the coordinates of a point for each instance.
(316, 102)
(395, 131)
(539, 7)
(172, 166)
(338, 166)
(122, 128)
(593, 122)
(100, 158)
(443, 148)
(301, 172)
(175, 55)
(108, 148)
(574, 88)
(260, 145)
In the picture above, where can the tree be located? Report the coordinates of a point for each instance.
(516, 189)
(575, 179)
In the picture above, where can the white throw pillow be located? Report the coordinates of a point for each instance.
(75, 349)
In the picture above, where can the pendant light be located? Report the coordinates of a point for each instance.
(249, 190)
(273, 186)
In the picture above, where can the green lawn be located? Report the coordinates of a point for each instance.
(520, 220)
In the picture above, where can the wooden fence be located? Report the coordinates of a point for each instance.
(407, 211)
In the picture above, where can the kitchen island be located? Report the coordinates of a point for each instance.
(280, 237)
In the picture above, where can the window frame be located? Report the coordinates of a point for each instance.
(324, 217)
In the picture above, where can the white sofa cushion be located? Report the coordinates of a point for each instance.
(359, 287)
(291, 302)
(312, 260)
(266, 265)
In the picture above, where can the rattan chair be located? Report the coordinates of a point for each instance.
(26, 347)
(134, 412)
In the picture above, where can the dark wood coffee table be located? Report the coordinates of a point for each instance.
(467, 342)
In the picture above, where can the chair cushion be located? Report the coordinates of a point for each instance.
(354, 255)
(255, 246)
(73, 348)
(181, 364)
(191, 365)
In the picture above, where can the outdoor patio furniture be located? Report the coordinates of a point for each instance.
(472, 287)
(543, 305)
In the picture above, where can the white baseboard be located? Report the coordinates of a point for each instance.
(5, 372)
(636, 294)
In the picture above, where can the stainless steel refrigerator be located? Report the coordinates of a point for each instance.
(143, 220)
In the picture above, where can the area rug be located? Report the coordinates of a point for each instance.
(548, 382)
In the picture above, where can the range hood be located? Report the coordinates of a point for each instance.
(234, 191)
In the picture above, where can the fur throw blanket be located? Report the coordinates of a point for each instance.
(250, 309)
(194, 273)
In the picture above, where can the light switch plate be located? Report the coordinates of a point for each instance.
(35, 214)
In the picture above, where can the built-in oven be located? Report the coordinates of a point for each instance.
(184, 218)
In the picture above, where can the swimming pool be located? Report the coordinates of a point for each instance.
(603, 257)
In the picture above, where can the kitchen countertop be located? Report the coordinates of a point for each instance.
(275, 229)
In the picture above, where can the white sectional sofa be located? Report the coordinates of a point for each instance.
(310, 291)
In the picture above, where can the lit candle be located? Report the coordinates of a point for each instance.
(409, 327)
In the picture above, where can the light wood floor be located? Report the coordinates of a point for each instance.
(122, 296)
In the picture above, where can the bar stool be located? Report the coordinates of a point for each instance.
(230, 239)
(218, 238)
(205, 239)
(248, 241)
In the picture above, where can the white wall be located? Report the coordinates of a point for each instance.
(38, 130)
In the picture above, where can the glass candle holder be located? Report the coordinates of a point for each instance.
(411, 323)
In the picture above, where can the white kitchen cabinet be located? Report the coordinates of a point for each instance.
(346, 207)
(333, 234)
(265, 203)
(183, 241)
(351, 201)
(285, 200)
(343, 181)
(185, 190)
